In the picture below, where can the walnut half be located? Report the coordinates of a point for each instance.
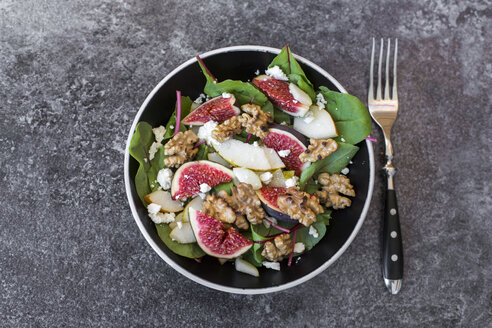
(299, 205)
(332, 185)
(180, 148)
(281, 246)
(318, 149)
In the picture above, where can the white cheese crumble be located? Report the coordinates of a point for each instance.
(313, 232)
(153, 149)
(163, 217)
(257, 72)
(202, 195)
(320, 101)
(153, 208)
(292, 182)
(205, 188)
(345, 171)
(276, 73)
(205, 131)
(255, 144)
(283, 123)
(271, 265)
(309, 117)
(266, 177)
(171, 127)
(226, 95)
(200, 98)
(299, 247)
(159, 133)
(343, 140)
(164, 178)
(284, 153)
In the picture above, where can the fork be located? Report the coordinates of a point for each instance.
(383, 112)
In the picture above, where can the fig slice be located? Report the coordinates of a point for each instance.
(214, 240)
(284, 95)
(188, 178)
(217, 109)
(268, 197)
(289, 144)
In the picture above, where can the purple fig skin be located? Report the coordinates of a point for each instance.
(290, 130)
(276, 214)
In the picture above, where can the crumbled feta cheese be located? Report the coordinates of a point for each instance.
(257, 72)
(292, 182)
(205, 188)
(350, 162)
(320, 101)
(163, 217)
(153, 208)
(180, 225)
(313, 232)
(171, 127)
(145, 160)
(299, 247)
(271, 265)
(255, 144)
(164, 178)
(276, 73)
(153, 149)
(345, 171)
(202, 195)
(309, 117)
(343, 140)
(159, 133)
(284, 153)
(283, 123)
(266, 177)
(200, 98)
(205, 131)
(226, 95)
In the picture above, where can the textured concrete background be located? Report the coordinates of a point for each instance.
(72, 76)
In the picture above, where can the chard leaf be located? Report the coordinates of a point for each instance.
(281, 116)
(333, 163)
(293, 71)
(185, 110)
(351, 117)
(147, 171)
(303, 236)
(191, 250)
(224, 186)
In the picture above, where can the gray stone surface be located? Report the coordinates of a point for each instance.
(72, 76)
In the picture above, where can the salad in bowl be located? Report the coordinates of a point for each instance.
(251, 171)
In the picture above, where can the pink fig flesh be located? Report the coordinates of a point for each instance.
(217, 109)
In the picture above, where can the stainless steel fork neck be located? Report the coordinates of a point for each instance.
(389, 168)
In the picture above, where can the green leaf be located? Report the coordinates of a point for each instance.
(311, 187)
(185, 110)
(351, 117)
(209, 77)
(142, 139)
(187, 250)
(293, 71)
(202, 153)
(258, 235)
(250, 257)
(281, 117)
(303, 236)
(224, 186)
(325, 217)
(333, 163)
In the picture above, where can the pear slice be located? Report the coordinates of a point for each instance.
(183, 235)
(214, 157)
(195, 204)
(317, 123)
(252, 157)
(164, 199)
(245, 175)
(246, 267)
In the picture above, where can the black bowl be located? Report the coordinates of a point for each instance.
(240, 63)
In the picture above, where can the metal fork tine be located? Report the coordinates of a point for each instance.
(378, 91)
(371, 73)
(386, 84)
(395, 95)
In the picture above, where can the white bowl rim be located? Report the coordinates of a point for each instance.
(182, 270)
